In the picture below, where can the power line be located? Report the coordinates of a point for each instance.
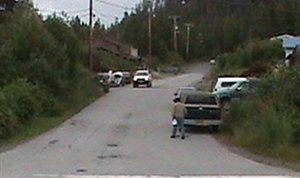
(68, 12)
(112, 4)
(77, 11)
(104, 15)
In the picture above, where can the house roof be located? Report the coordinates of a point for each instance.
(282, 37)
(291, 43)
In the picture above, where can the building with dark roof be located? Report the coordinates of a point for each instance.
(114, 46)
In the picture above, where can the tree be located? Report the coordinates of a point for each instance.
(219, 26)
(7, 5)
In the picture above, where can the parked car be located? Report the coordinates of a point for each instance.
(239, 90)
(203, 109)
(181, 90)
(127, 78)
(212, 62)
(117, 79)
(142, 77)
(222, 83)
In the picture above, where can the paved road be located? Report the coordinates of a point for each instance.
(127, 132)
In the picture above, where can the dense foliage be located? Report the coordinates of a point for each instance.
(218, 25)
(270, 121)
(252, 59)
(40, 68)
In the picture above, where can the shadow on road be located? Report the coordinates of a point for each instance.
(201, 130)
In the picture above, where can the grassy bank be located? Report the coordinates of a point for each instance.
(65, 108)
(268, 123)
(39, 126)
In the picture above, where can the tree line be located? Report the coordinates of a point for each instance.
(218, 25)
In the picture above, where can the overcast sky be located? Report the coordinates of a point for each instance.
(107, 13)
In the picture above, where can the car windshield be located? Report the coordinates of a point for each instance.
(126, 74)
(87, 88)
(142, 74)
(118, 76)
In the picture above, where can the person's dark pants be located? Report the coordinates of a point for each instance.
(180, 126)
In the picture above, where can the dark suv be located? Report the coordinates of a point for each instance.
(203, 109)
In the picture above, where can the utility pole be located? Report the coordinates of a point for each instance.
(91, 36)
(175, 19)
(150, 33)
(188, 26)
(150, 28)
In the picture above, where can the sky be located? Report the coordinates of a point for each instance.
(106, 10)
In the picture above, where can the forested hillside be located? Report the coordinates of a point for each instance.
(218, 25)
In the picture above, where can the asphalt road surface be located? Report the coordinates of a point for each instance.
(127, 132)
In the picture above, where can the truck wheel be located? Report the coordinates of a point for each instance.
(149, 85)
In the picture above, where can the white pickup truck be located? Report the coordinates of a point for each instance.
(142, 77)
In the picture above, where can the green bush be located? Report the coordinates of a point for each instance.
(249, 56)
(48, 104)
(21, 102)
(21, 96)
(8, 121)
(296, 127)
(41, 70)
(239, 114)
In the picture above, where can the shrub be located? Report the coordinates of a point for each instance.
(8, 121)
(48, 103)
(21, 96)
(296, 127)
(262, 53)
(239, 114)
